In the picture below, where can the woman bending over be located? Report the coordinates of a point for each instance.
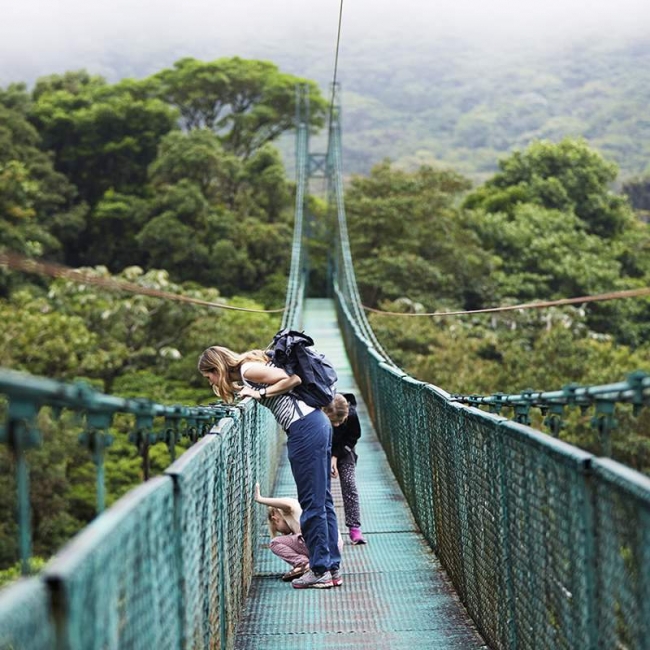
(309, 444)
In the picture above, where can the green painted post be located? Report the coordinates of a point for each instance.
(191, 429)
(171, 435)
(97, 440)
(636, 382)
(554, 419)
(522, 413)
(505, 542)
(143, 435)
(604, 422)
(24, 512)
(22, 434)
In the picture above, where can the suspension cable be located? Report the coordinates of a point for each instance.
(614, 295)
(26, 265)
(336, 60)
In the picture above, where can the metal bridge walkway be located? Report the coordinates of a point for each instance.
(394, 595)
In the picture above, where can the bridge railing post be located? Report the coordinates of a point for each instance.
(97, 439)
(21, 433)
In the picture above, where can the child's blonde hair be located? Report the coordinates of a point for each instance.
(273, 530)
(337, 410)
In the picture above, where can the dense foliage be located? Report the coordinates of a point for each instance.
(174, 171)
(171, 182)
(545, 227)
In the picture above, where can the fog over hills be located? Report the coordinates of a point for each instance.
(457, 82)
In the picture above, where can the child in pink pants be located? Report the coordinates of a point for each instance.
(286, 539)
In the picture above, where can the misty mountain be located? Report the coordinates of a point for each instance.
(457, 105)
(453, 103)
(447, 101)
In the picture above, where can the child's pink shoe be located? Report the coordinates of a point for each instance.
(356, 536)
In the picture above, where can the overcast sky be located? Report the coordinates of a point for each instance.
(124, 37)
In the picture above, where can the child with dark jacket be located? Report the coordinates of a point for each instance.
(342, 413)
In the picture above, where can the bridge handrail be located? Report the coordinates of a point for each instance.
(344, 277)
(44, 391)
(547, 545)
(168, 565)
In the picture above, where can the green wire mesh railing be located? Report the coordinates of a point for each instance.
(168, 565)
(635, 390)
(546, 545)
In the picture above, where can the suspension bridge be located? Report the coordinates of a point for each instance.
(482, 532)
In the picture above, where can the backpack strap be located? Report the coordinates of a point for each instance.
(295, 405)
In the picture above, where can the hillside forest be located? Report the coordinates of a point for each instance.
(175, 182)
(464, 106)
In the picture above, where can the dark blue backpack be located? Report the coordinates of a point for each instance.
(291, 351)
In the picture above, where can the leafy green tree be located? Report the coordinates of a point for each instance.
(557, 231)
(198, 157)
(74, 82)
(248, 103)
(637, 191)
(216, 219)
(546, 254)
(39, 339)
(37, 204)
(410, 240)
(568, 176)
(111, 231)
(103, 334)
(265, 187)
(176, 235)
(103, 137)
(266, 254)
(254, 187)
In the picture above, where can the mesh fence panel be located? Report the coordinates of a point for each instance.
(622, 549)
(116, 585)
(216, 480)
(166, 567)
(198, 479)
(547, 547)
(20, 606)
(547, 532)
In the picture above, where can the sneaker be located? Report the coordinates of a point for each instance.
(313, 581)
(296, 572)
(337, 581)
(356, 536)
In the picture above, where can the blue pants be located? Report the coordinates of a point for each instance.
(309, 446)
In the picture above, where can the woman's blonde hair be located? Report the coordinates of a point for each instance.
(224, 363)
(338, 409)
